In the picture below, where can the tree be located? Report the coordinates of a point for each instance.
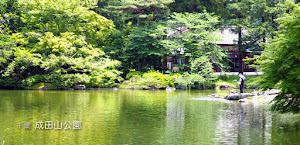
(203, 67)
(254, 23)
(188, 80)
(106, 8)
(145, 9)
(212, 6)
(193, 32)
(10, 20)
(60, 44)
(144, 49)
(281, 61)
(66, 16)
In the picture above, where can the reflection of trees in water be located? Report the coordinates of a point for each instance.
(285, 128)
(141, 117)
(243, 124)
(190, 121)
(175, 119)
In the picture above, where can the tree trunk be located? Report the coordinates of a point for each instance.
(153, 11)
(264, 33)
(240, 50)
(138, 21)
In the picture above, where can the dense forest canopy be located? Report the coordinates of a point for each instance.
(99, 43)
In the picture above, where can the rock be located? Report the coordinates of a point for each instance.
(253, 87)
(153, 88)
(243, 100)
(170, 89)
(232, 97)
(272, 92)
(79, 87)
(213, 86)
(260, 93)
(226, 87)
(237, 96)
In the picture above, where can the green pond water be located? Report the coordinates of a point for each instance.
(140, 117)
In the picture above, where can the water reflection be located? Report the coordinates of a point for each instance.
(142, 117)
(175, 119)
(244, 123)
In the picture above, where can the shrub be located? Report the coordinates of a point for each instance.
(8, 83)
(61, 81)
(189, 80)
(224, 77)
(133, 73)
(149, 80)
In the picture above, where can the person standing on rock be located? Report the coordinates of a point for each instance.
(241, 82)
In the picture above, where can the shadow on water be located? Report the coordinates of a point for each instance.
(142, 117)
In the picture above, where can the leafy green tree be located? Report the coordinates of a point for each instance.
(200, 6)
(66, 16)
(107, 9)
(203, 66)
(144, 50)
(145, 9)
(193, 32)
(281, 61)
(188, 80)
(60, 44)
(254, 22)
(9, 16)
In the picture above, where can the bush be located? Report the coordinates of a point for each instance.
(149, 80)
(9, 83)
(224, 77)
(133, 73)
(188, 80)
(61, 81)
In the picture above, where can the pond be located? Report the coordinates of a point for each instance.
(139, 117)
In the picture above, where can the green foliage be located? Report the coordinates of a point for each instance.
(211, 6)
(203, 67)
(67, 42)
(60, 44)
(144, 50)
(193, 32)
(150, 80)
(42, 86)
(66, 16)
(143, 47)
(156, 76)
(253, 21)
(280, 61)
(252, 81)
(188, 80)
(9, 83)
(61, 81)
(145, 9)
(224, 77)
(133, 73)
